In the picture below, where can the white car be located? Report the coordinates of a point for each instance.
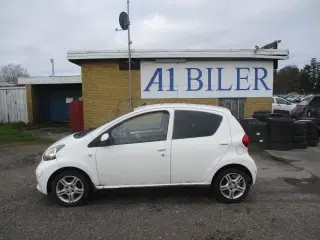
(155, 145)
(282, 105)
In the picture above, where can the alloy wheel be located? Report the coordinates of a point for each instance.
(69, 189)
(232, 186)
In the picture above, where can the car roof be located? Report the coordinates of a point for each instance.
(188, 105)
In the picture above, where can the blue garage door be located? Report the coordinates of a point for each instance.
(59, 104)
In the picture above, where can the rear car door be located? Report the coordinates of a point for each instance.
(200, 138)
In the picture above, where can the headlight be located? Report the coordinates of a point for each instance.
(50, 154)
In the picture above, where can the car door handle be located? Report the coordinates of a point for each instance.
(224, 143)
(161, 149)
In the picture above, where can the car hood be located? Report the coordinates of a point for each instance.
(64, 141)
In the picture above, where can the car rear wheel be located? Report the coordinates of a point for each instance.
(70, 188)
(231, 185)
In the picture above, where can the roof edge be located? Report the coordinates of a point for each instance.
(50, 79)
(272, 54)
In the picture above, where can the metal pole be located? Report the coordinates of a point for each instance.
(129, 52)
(52, 66)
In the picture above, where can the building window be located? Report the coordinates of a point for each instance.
(235, 105)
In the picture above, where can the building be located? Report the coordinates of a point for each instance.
(48, 97)
(240, 79)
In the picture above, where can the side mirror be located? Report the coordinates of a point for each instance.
(104, 137)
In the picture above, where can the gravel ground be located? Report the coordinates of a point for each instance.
(284, 204)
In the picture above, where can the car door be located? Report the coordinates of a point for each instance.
(199, 140)
(137, 151)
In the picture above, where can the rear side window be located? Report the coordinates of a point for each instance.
(193, 124)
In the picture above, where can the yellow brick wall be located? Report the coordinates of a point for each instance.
(32, 104)
(256, 104)
(105, 94)
(29, 103)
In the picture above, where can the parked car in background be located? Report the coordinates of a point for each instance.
(155, 145)
(281, 105)
(297, 98)
(307, 98)
(309, 107)
(288, 97)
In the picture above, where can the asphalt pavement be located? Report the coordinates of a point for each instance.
(308, 159)
(284, 204)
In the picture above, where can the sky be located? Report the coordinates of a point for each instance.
(34, 31)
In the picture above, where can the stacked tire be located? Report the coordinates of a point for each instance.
(245, 123)
(311, 133)
(280, 134)
(261, 115)
(299, 135)
(259, 133)
(256, 130)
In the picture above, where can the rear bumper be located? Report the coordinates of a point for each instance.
(252, 167)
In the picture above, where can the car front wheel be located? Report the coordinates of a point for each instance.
(231, 185)
(70, 188)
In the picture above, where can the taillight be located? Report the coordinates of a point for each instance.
(245, 140)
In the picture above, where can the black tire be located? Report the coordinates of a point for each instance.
(280, 138)
(299, 128)
(281, 146)
(216, 185)
(82, 179)
(299, 139)
(313, 136)
(313, 143)
(302, 145)
(299, 133)
(280, 126)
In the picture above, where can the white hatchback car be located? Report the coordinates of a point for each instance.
(155, 145)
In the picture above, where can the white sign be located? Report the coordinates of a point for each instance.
(69, 100)
(207, 79)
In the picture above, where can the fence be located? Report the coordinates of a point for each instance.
(13, 105)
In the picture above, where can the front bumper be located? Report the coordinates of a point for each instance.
(43, 173)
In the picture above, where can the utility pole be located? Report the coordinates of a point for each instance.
(129, 56)
(124, 21)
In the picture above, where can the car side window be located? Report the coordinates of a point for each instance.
(149, 127)
(281, 101)
(273, 100)
(194, 124)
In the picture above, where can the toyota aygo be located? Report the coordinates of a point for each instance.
(153, 146)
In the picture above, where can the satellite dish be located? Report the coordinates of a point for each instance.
(124, 20)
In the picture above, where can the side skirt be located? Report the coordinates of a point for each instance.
(154, 185)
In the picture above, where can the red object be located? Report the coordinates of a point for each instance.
(245, 140)
(76, 116)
